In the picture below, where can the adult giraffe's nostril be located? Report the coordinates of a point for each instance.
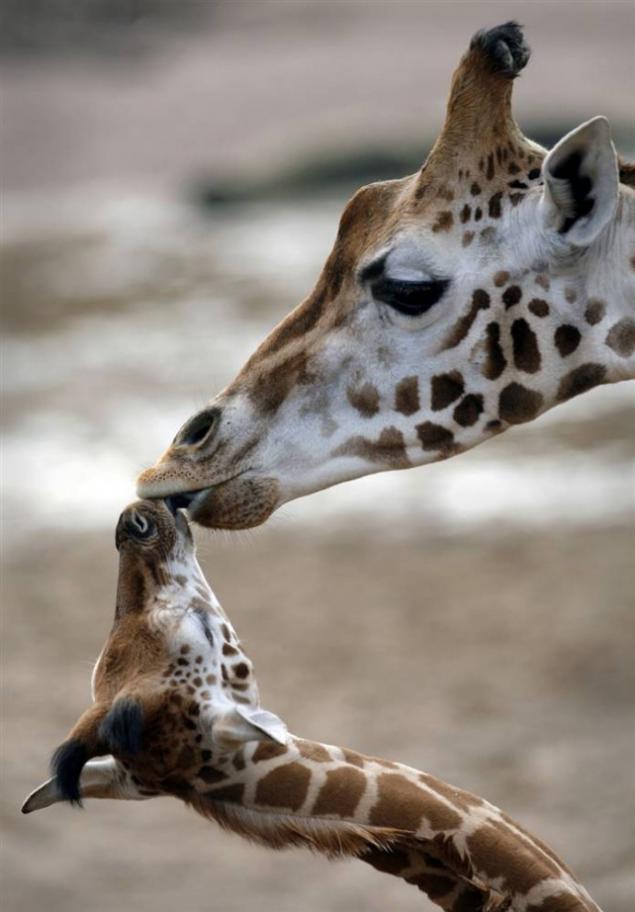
(198, 429)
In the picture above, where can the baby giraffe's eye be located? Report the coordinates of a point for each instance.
(412, 298)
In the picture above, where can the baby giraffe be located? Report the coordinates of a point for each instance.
(176, 711)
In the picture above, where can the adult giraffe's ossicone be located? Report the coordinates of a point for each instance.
(495, 283)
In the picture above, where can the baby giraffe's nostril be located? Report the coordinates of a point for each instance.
(198, 428)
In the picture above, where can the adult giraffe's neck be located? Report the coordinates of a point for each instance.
(609, 302)
(457, 848)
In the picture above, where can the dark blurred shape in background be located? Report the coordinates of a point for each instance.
(50, 28)
(173, 173)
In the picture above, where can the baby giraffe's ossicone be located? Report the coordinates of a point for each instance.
(176, 712)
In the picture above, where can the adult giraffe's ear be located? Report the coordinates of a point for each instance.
(581, 184)
(238, 725)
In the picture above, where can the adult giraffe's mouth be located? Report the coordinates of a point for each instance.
(240, 502)
(182, 500)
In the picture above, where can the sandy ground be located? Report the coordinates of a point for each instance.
(504, 666)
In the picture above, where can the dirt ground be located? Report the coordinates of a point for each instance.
(503, 665)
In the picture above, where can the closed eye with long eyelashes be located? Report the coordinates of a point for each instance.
(408, 297)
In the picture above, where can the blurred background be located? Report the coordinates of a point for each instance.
(172, 177)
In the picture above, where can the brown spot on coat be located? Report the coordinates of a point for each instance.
(266, 750)
(538, 307)
(621, 337)
(446, 389)
(341, 792)
(494, 205)
(517, 404)
(475, 189)
(580, 380)
(468, 410)
(526, 351)
(407, 396)
(501, 278)
(466, 212)
(478, 214)
(490, 855)
(444, 221)
(566, 338)
(512, 296)
(434, 436)
(365, 399)
(269, 390)
(489, 174)
(495, 362)
(312, 751)
(241, 670)
(353, 757)
(285, 786)
(480, 301)
(298, 323)
(468, 237)
(461, 799)
(595, 311)
(403, 804)
(388, 449)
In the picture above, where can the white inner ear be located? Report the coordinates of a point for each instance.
(238, 725)
(561, 202)
(266, 722)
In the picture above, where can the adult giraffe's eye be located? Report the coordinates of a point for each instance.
(408, 297)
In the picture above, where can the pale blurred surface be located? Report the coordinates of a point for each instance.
(472, 618)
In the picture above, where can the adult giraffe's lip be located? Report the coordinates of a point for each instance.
(190, 500)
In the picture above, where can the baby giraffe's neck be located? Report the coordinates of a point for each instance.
(463, 852)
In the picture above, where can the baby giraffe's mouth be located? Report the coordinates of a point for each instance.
(181, 501)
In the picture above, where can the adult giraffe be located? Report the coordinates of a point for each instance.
(495, 283)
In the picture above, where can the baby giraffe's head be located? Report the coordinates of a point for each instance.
(173, 692)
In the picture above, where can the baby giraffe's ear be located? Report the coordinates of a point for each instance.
(581, 184)
(238, 725)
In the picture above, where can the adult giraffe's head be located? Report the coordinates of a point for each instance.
(476, 294)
